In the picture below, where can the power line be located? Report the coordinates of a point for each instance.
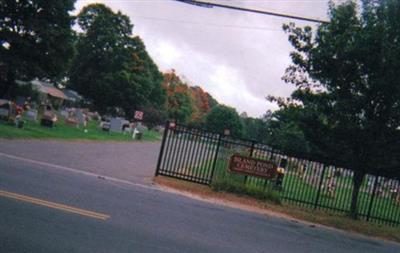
(181, 21)
(211, 4)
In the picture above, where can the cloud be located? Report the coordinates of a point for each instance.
(226, 83)
(82, 3)
(230, 87)
(239, 58)
(166, 54)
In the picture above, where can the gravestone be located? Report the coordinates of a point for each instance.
(64, 113)
(116, 124)
(80, 116)
(31, 114)
(142, 128)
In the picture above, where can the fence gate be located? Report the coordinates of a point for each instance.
(188, 154)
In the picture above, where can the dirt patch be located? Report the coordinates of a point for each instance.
(204, 193)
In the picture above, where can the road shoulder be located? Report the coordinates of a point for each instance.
(306, 216)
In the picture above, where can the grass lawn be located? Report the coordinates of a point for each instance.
(33, 130)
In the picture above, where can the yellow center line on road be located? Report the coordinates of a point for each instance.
(58, 206)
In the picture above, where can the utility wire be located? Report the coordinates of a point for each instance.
(212, 4)
(181, 21)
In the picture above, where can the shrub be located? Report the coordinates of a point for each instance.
(228, 185)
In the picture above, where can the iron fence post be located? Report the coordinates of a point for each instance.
(215, 157)
(319, 187)
(162, 147)
(251, 155)
(372, 197)
(266, 181)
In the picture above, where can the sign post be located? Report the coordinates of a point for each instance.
(138, 115)
(227, 132)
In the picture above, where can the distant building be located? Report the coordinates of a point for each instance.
(73, 98)
(48, 94)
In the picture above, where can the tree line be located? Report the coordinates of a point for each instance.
(103, 62)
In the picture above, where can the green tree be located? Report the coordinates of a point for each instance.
(182, 107)
(222, 117)
(348, 88)
(284, 133)
(35, 40)
(211, 101)
(254, 128)
(112, 68)
(146, 73)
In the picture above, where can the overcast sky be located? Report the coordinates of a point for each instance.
(238, 57)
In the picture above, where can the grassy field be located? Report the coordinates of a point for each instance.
(33, 130)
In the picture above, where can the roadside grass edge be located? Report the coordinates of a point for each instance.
(284, 210)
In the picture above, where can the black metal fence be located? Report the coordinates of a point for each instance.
(202, 157)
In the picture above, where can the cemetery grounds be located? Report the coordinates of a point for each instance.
(62, 131)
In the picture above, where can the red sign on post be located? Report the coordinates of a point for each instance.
(172, 125)
(138, 115)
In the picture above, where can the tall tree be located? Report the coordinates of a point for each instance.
(201, 103)
(112, 68)
(35, 40)
(256, 129)
(348, 88)
(224, 117)
(179, 101)
(212, 102)
(147, 74)
(284, 132)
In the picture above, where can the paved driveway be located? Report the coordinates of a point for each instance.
(135, 161)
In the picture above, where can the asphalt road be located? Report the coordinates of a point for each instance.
(142, 219)
(135, 161)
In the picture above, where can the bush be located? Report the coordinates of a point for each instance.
(153, 117)
(228, 185)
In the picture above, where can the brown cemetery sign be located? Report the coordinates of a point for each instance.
(252, 167)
